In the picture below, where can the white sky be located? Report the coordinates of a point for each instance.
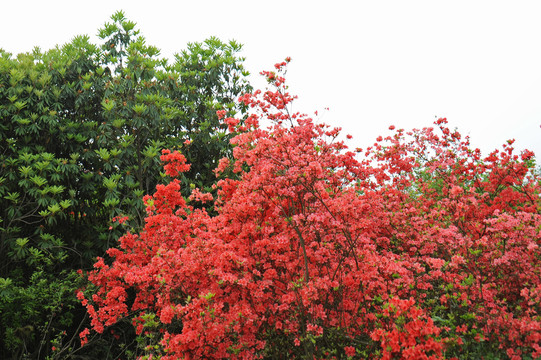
(373, 63)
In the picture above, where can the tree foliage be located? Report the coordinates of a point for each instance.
(80, 138)
(422, 250)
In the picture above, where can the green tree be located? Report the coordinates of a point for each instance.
(81, 132)
(41, 190)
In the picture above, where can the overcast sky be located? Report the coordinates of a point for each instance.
(372, 63)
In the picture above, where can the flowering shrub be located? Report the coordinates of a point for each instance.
(422, 250)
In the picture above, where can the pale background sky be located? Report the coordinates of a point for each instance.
(373, 63)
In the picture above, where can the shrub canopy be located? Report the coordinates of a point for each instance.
(421, 250)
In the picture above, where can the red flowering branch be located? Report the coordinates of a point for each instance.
(423, 250)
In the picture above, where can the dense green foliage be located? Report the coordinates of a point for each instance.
(82, 128)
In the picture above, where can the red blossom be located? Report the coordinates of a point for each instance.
(350, 351)
(221, 114)
(406, 252)
(175, 162)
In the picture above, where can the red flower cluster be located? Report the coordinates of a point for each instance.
(175, 162)
(424, 250)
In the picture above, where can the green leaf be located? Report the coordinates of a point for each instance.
(12, 196)
(118, 123)
(42, 165)
(103, 153)
(26, 171)
(128, 25)
(111, 202)
(139, 108)
(108, 105)
(47, 156)
(44, 213)
(65, 203)
(54, 208)
(6, 285)
(21, 242)
(38, 180)
(20, 105)
(23, 121)
(55, 189)
(150, 152)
